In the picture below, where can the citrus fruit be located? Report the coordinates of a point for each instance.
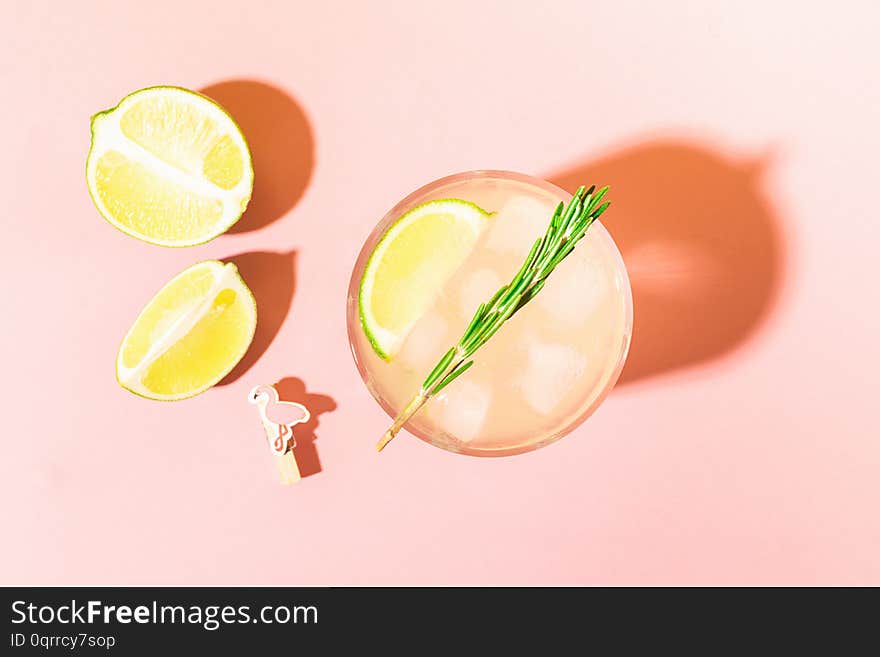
(409, 266)
(169, 167)
(190, 335)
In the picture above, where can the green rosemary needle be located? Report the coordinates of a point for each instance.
(568, 225)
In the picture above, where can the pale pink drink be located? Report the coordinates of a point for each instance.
(548, 367)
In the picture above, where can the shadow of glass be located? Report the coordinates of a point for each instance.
(272, 279)
(281, 143)
(701, 244)
(294, 389)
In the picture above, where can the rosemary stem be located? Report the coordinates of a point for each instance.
(402, 418)
(417, 402)
(567, 226)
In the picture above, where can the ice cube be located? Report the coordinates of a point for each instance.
(461, 408)
(425, 343)
(515, 227)
(477, 287)
(550, 372)
(575, 289)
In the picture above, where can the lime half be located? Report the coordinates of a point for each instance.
(169, 167)
(410, 265)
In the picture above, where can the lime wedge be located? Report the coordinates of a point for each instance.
(410, 265)
(190, 335)
(169, 167)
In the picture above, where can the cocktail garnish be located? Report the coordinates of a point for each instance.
(567, 226)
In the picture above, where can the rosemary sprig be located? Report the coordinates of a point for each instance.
(567, 226)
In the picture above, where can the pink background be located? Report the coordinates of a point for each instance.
(741, 445)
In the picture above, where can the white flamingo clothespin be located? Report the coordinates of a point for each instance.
(278, 419)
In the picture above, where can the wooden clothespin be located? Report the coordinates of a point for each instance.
(278, 420)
